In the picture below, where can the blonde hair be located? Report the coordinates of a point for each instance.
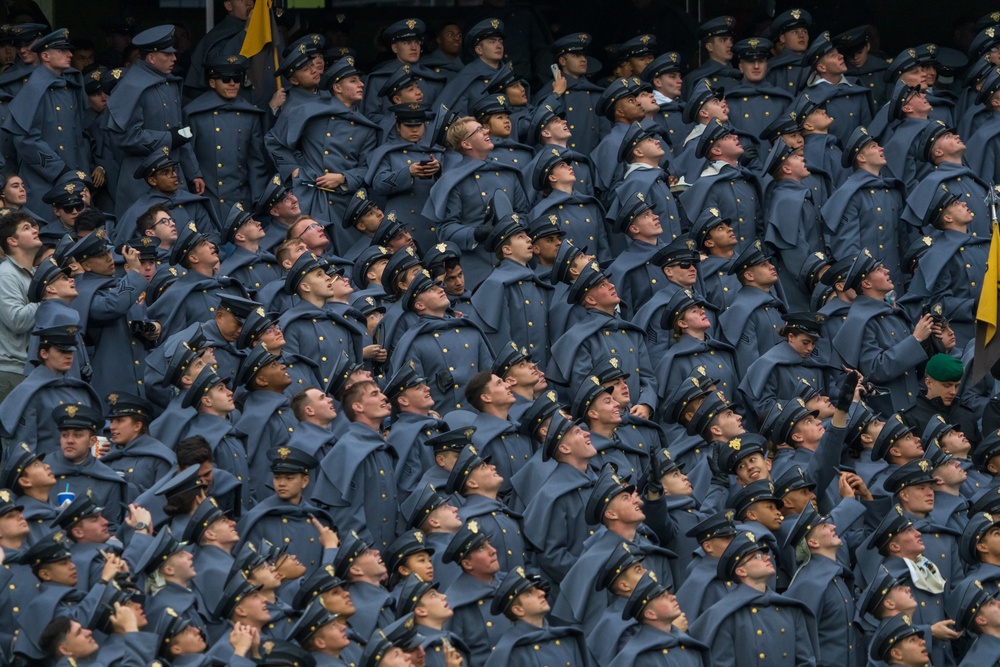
(457, 132)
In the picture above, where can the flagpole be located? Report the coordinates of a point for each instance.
(277, 74)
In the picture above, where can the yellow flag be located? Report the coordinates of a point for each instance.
(258, 29)
(986, 356)
(986, 314)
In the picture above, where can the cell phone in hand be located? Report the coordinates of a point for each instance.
(556, 73)
(424, 163)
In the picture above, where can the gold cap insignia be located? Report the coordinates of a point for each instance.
(283, 452)
(473, 527)
(495, 24)
(71, 410)
(112, 399)
(411, 24)
(796, 14)
(735, 444)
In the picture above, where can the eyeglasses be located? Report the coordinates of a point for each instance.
(164, 221)
(273, 329)
(683, 265)
(165, 171)
(484, 130)
(313, 226)
(73, 208)
(760, 555)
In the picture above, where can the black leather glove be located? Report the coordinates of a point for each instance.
(720, 477)
(176, 138)
(482, 231)
(649, 483)
(846, 396)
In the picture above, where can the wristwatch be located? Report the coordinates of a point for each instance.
(141, 526)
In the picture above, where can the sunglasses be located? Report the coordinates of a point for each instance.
(683, 265)
(73, 208)
(230, 79)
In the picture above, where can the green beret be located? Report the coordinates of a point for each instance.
(943, 368)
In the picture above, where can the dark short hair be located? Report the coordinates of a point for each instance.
(352, 394)
(9, 224)
(298, 403)
(89, 220)
(192, 451)
(54, 635)
(476, 388)
(147, 219)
